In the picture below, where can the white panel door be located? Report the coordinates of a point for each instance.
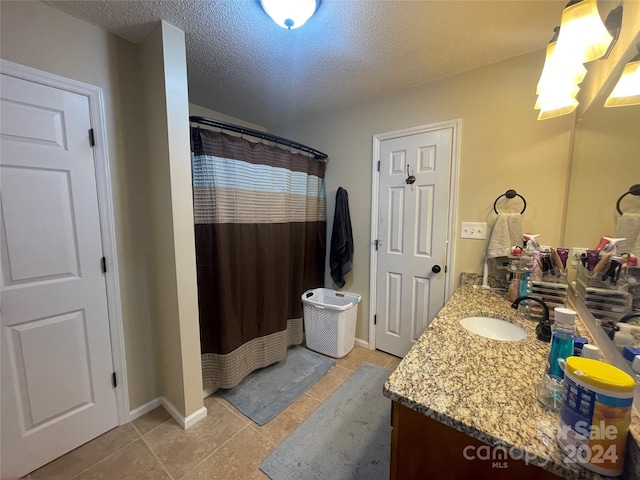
(412, 236)
(56, 351)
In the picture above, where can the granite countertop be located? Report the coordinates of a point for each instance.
(486, 388)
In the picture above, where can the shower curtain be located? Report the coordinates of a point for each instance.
(260, 229)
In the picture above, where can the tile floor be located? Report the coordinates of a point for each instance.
(224, 445)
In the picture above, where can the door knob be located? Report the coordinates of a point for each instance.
(436, 269)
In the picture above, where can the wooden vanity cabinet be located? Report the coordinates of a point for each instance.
(423, 448)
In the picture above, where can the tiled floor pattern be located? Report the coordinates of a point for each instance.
(224, 445)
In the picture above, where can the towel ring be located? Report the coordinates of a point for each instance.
(633, 190)
(512, 194)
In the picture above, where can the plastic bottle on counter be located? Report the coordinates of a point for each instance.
(631, 270)
(578, 345)
(631, 275)
(551, 385)
(562, 335)
(623, 337)
(590, 351)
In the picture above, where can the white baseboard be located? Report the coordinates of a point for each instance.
(195, 417)
(146, 408)
(362, 343)
(187, 422)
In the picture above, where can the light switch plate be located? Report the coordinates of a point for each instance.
(477, 230)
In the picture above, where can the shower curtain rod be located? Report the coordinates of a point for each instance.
(318, 155)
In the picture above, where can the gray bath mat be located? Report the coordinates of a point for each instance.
(266, 392)
(347, 438)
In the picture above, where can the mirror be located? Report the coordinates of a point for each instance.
(605, 164)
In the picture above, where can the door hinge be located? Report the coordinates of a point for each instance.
(376, 243)
(375, 319)
(103, 262)
(92, 138)
(114, 380)
(378, 165)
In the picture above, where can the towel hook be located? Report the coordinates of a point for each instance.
(410, 178)
(510, 194)
(633, 190)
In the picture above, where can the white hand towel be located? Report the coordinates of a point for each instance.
(506, 233)
(629, 228)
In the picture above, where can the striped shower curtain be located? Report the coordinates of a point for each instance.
(260, 226)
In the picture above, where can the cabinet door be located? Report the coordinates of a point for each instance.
(425, 448)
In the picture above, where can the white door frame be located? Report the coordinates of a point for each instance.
(105, 209)
(456, 125)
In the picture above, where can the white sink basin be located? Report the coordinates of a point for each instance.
(494, 328)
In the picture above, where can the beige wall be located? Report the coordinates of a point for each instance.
(502, 146)
(38, 36)
(172, 249)
(184, 243)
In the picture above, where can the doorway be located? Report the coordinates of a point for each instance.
(63, 375)
(413, 220)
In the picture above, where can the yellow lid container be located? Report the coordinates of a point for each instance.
(595, 415)
(600, 375)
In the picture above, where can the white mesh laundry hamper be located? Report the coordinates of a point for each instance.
(330, 321)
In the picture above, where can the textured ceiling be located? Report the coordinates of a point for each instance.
(242, 64)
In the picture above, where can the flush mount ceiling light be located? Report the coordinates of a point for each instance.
(583, 35)
(290, 14)
(627, 90)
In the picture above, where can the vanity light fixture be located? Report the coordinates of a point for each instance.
(557, 102)
(552, 71)
(558, 84)
(583, 36)
(290, 14)
(627, 90)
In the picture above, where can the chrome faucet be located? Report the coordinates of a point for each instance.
(543, 330)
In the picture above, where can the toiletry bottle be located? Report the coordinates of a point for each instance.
(632, 278)
(578, 345)
(590, 351)
(630, 271)
(513, 280)
(635, 364)
(623, 337)
(525, 286)
(562, 335)
(513, 287)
